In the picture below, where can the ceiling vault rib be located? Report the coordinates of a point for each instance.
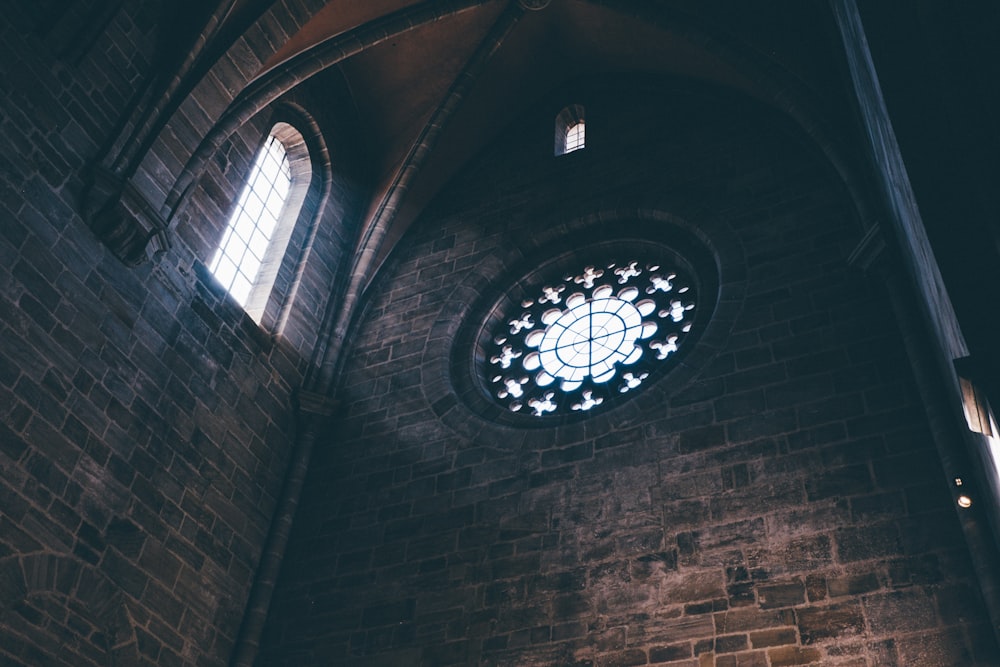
(320, 383)
(374, 232)
(278, 81)
(773, 83)
(151, 117)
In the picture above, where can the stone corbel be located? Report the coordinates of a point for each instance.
(314, 410)
(123, 219)
(313, 403)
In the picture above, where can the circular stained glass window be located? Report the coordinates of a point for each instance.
(578, 340)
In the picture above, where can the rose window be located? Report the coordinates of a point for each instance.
(573, 344)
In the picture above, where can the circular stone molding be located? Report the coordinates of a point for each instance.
(533, 5)
(580, 332)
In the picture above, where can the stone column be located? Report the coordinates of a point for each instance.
(930, 327)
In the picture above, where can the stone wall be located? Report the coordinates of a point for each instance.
(775, 501)
(145, 420)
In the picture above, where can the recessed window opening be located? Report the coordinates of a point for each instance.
(979, 413)
(261, 223)
(585, 336)
(570, 130)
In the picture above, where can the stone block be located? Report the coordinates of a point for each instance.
(834, 621)
(788, 594)
(786, 656)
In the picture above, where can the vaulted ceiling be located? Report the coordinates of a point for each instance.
(434, 82)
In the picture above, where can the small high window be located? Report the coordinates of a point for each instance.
(256, 236)
(570, 130)
(575, 137)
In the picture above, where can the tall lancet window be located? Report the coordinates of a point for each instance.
(257, 234)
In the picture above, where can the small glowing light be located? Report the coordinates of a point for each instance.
(964, 501)
(958, 481)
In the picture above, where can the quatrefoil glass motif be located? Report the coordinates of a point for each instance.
(578, 340)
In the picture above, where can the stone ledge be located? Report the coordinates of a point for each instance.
(316, 404)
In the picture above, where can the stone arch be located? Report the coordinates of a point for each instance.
(278, 81)
(69, 602)
(315, 190)
(770, 83)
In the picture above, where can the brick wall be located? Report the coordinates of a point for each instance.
(780, 504)
(145, 421)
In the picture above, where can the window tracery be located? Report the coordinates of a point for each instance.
(572, 344)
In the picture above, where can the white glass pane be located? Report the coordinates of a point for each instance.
(266, 224)
(249, 230)
(543, 379)
(244, 226)
(633, 356)
(282, 187)
(241, 202)
(275, 200)
(225, 271)
(240, 289)
(270, 169)
(628, 294)
(534, 338)
(531, 361)
(604, 377)
(249, 266)
(575, 137)
(258, 244)
(227, 237)
(603, 292)
(253, 206)
(602, 321)
(550, 316)
(574, 357)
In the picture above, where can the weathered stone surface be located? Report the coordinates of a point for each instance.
(835, 621)
(745, 519)
(793, 655)
(145, 421)
(774, 500)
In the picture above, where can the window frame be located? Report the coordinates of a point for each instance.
(300, 175)
(568, 120)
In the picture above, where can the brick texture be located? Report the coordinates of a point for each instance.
(760, 513)
(145, 421)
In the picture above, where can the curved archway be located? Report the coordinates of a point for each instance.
(64, 603)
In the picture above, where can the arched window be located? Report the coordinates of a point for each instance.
(262, 220)
(575, 137)
(570, 129)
